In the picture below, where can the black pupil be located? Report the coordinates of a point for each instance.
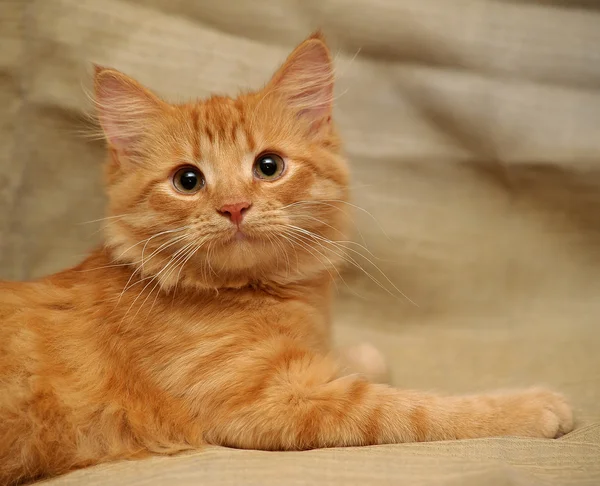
(188, 180)
(268, 166)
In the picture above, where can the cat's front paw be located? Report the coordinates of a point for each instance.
(539, 412)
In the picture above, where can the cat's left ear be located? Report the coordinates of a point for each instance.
(125, 109)
(305, 81)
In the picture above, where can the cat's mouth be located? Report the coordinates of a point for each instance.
(244, 235)
(239, 235)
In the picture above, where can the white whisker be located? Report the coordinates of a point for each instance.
(154, 277)
(304, 246)
(352, 261)
(187, 259)
(326, 203)
(119, 216)
(174, 265)
(160, 234)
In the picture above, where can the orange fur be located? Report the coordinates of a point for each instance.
(182, 331)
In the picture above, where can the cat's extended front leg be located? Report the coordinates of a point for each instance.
(298, 402)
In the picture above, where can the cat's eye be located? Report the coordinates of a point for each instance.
(188, 180)
(268, 166)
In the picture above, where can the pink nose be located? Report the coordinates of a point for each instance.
(235, 212)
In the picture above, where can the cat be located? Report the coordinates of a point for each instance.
(204, 316)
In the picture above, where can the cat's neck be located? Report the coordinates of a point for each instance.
(102, 265)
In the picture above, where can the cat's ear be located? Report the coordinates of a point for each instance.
(305, 80)
(125, 108)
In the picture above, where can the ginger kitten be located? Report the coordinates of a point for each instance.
(204, 317)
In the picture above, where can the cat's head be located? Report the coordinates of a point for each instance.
(227, 191)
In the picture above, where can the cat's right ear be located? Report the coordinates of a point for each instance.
(125, 108)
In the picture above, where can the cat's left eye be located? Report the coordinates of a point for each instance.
(269, 166)
(188, 180)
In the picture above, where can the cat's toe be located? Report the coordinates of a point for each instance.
(556, 417)
(563, 412)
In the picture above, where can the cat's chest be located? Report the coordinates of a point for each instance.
(188, 342)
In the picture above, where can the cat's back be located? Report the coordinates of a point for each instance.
(23, 305)
(18, 357)
(17, 301)
(12, 297)
(22, 302)
(41, 324)
(28, 308)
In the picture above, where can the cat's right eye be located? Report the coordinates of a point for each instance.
(188, 180)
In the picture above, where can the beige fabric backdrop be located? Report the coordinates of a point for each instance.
(473, 129)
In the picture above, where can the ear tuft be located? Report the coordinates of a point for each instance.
(306, 79)
(125, 108)
(318, 35)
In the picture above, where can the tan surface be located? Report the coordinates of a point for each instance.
(473, 128)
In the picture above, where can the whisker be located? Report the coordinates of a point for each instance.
(182, 228)
(352, 261)
(127, 264)
(362, 210)
(192, 253)
(268, 236)
(119, 216)
(140, 268)
(333, 206)
(281, 247)
(154, 277)
(174, 265)
(160, 234)
(282, 235)
(304, 215)
(105, 266)
(162, 247)
(208, 255)
(304, 246)
(352, 291)
(349, 242)
(347, 259)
